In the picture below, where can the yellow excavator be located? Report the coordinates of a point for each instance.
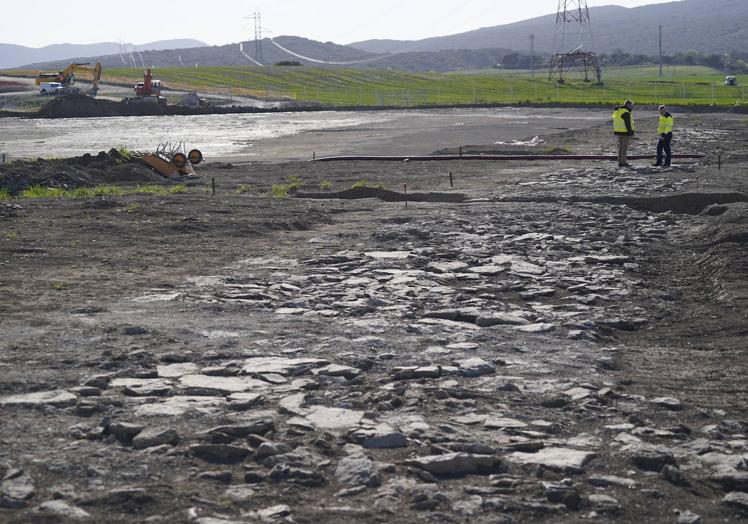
(67, 77)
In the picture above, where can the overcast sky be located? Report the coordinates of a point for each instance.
(37, 23)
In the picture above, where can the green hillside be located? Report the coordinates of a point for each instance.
(346, 87)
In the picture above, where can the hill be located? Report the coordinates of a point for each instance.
(12, 55)
(225, 55)
(710, 26)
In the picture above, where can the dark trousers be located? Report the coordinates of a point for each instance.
(663, 146)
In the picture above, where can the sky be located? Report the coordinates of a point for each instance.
(36, 23)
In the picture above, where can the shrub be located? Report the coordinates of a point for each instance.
(280, 190)
(294, 182)
(325, 185)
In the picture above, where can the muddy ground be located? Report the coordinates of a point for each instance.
(548, 342)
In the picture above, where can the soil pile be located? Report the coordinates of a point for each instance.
(76, 105)
(82, 106)
(84, 171)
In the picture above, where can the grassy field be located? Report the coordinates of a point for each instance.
(681, 85)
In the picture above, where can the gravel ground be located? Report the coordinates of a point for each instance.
(564, 342)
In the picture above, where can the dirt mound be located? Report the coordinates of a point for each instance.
(84, 171)
(358, 193)
(77, 105)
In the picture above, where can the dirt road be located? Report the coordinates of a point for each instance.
(564, 344)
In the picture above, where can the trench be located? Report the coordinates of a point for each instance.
(681, 203)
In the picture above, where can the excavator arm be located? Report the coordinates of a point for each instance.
(67, 76)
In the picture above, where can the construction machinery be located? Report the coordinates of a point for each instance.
(66, 78)
(731, 81)
(148, 91)
(172, 160)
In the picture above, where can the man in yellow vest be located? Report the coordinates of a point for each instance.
(624, 129)
(665, 130)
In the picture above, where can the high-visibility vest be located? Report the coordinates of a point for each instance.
(619, 125)
(666, 125)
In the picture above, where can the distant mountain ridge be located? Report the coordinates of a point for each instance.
(708, 26)
(12, 55)
(225, 55)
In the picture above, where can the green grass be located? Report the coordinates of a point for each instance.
(98, 191)
(5, 194)
(684, 85)
(325, 185)
(282, 190)
(279, 190)
(126, 153)
(365, 183)
(243, 188)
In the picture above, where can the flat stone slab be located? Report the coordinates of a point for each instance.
(280, 365)
(503, 423)
(333, 418)
(177, 406)
(381, 436)
(178, 370)
(455, 463)
(475, 367)
(61, 510)
(536, 328)
(488, 271)
(388, 255)
(564, 460)
(501, 319)
(448, 267)
(58, 398)
(221, 385)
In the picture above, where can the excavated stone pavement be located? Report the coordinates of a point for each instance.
(452, 365)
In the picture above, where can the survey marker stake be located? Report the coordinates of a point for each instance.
(213, 185)
(451, 181)
(405, 188)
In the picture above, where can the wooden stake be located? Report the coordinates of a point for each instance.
(213, 185)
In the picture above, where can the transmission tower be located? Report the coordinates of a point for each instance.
(576, 51)
(257, 18)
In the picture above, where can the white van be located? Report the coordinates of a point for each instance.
(51, 88)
